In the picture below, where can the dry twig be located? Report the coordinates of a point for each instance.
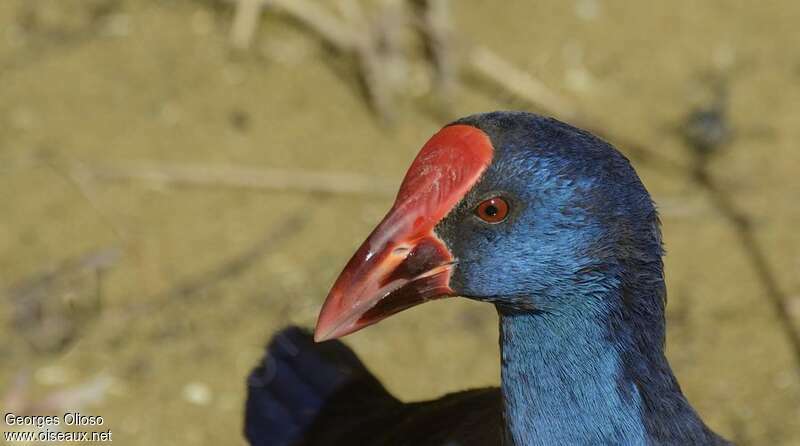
(437, 34)
(50, 308)
(495, 69)
(491, 67)
(368, 46)
(245, 21)
(160, 175)
(755, 253)
(337, 33)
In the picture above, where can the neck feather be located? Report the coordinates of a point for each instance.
(594, 375)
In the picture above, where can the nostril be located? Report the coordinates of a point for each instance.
(401, 251)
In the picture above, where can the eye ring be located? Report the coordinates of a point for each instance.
(493, 210)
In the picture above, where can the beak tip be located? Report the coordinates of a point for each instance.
(322, 329)
(323, 332)
(318, 337)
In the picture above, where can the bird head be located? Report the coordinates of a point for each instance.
(510, 208)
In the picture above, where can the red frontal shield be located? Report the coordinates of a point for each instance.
(403, 263)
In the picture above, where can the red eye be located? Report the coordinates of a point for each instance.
(493, 210)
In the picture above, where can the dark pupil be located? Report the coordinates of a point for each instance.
(491, 210)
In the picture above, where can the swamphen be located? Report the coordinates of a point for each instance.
(553, 227)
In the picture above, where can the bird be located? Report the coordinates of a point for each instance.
(553, 227)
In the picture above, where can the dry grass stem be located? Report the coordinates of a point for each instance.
(285, 180)
(245, 21)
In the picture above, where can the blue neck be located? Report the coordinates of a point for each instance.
(561, 383)
(591, 377)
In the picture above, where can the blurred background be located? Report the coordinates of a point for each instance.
(179, 179)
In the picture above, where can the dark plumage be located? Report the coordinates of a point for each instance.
(304, 393)
(574, 269)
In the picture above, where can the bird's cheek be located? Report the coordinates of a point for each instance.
(468, 280)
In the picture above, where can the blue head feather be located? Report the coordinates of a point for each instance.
(576, 274)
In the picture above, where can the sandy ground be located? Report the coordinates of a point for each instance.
(197, 278)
